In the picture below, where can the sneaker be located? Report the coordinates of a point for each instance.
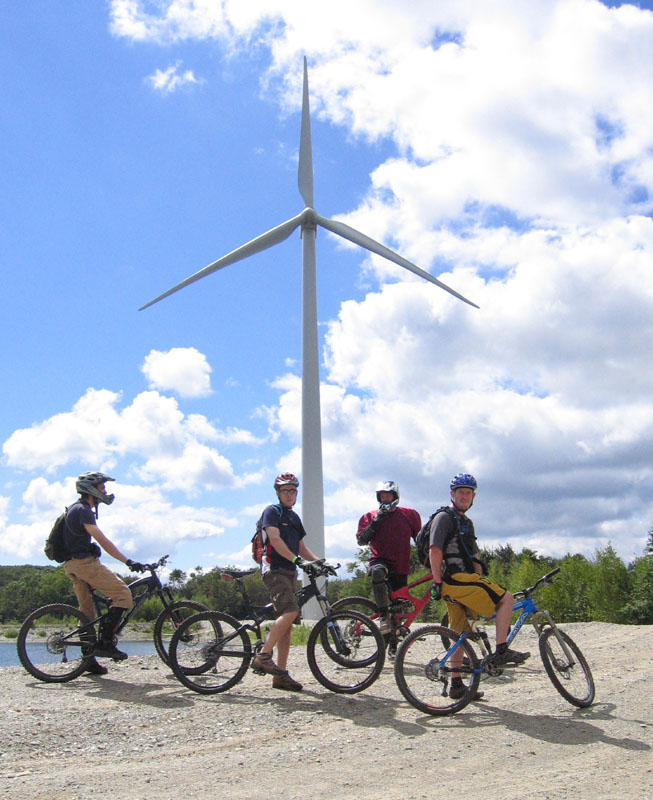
(458, 690)
(286, 682)
(508, 656)
(109, 650)
(263, 663)
(94, 668)
(385, 624)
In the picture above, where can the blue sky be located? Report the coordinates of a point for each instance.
(507, 151)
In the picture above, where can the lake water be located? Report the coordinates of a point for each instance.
(9, 654)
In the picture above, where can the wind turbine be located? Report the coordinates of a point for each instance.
(307, 221)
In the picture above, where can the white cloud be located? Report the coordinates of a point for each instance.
(183, 370)
(523, 172)
(169, 448)
(169, 80)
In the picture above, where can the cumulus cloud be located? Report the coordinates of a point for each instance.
(522, 174)
(169, 80)
(183, 370)
(142, 520)
(171, 447)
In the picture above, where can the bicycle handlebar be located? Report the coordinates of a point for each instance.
(319, 568)
(161, 562)
(545, 580)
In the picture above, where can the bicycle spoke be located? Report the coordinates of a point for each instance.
(210, 652)
(346, 652)
(424, 674)
(49, 644)
(571, 677)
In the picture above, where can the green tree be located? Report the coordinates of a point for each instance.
(608, 592)
(568, 598)
(638, 610)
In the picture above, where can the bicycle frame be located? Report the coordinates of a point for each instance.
(403, 618)
(266, 613)
(152, 586)
(528, 612)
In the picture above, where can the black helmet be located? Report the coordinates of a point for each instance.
(88, 483)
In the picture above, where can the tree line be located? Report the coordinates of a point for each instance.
(602, 588)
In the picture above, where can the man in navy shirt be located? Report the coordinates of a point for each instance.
(84, 569)
(284, 549)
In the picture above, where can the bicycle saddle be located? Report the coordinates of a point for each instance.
(233, 574)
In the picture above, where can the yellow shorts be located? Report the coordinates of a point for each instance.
(479, 595)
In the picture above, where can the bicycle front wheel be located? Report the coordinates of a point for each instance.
(50, 643)
(572, 678)
(169, 620)
(345, 652)
(210, 652)
(424, 672)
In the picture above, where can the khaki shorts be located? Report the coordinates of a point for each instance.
(476, 593)
(85, 572)
(282, 585)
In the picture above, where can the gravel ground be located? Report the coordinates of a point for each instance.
(137, 733)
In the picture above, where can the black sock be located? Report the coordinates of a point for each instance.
(501, 648)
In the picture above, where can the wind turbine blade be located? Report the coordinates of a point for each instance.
(369, 244)
(262, 242)
(305, 170)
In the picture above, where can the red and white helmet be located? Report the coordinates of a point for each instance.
(285, 479)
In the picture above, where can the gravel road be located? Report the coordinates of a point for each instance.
(137, 733)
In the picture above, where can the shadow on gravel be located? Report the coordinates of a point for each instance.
(363, 709)
(569, 729)
(150, 694)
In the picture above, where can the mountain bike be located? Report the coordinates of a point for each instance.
(403, 609)
(56, 641)
(423, 666)
(210, 652)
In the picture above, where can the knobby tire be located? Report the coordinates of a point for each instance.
(210, 652)
(42, 648)
(345, 652)
(419, 677)
(171, 617)
(575, 683)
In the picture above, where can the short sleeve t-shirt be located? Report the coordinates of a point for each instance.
(443, 530)
(292, 532)
(77, 539)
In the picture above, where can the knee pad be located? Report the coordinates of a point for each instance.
(379, 573)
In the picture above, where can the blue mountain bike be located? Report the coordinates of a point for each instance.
(428, 658)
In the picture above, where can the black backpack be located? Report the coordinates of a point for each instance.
(259, 538)
(54, 545)
(423, 540)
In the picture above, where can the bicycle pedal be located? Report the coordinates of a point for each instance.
(257, 671)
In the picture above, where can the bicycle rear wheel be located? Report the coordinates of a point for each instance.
(169, 620)
(210, 652)
(573, 679)
(422, 677)
(50, 645)
(345, 652)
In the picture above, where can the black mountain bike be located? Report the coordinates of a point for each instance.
(210, 652)
(56, 641)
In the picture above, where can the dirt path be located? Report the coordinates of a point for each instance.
(137, 734)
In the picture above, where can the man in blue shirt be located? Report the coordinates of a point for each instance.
(284, 549)
(84, 569)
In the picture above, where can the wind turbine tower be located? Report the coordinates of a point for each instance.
(312, 484)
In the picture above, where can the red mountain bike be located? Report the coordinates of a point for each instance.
(404, 609)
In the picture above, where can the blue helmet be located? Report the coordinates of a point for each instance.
(463, 480)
